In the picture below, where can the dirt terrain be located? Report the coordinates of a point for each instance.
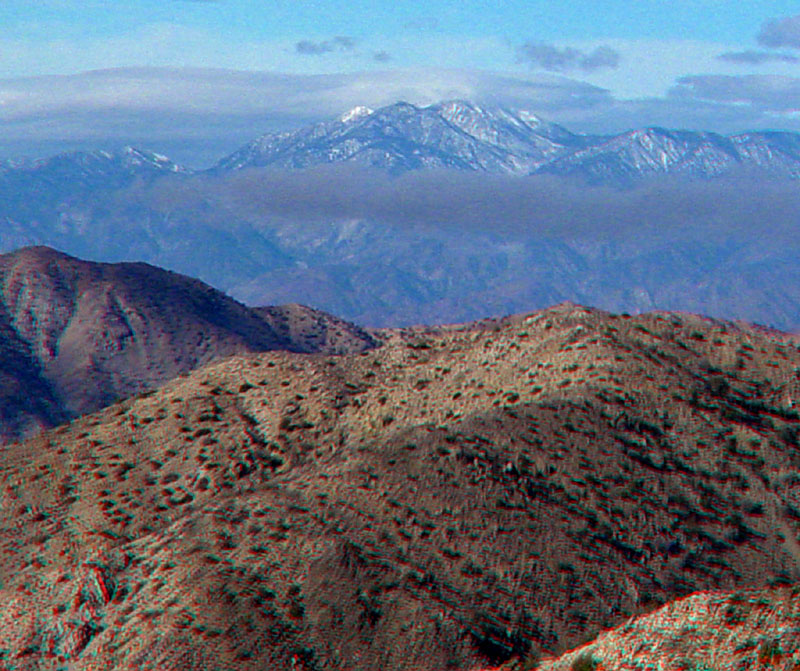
(458, 498)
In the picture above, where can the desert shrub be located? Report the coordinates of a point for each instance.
(788, 434)
(718, 386)
(734, 615)
(735, 415)
(584, 662)
(495, 640)
(287, 423)
(780, 580)
(754, 508)
(531, 662)
(770, 652)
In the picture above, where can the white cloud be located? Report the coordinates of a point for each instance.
(768, 92)
(219, 91)
(565, 59)
(177, 45)
(199, 115)
(155, 44)
(649, 68)
(220, 109)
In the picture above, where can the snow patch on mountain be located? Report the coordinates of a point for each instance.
(358, 112)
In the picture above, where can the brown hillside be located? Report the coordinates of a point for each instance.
(80, 335)
(716, 631)
(453, 499)
(311, 331)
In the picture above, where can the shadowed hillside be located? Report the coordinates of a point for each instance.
(458, 498)
(76, 336)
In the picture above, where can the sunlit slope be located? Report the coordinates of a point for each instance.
(457, 497)
(723, 631)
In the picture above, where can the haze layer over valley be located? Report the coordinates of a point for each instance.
(430, 214)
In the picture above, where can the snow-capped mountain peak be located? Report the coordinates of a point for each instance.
(462, 135)
(132, 157)
(454, 134)
(358, 112)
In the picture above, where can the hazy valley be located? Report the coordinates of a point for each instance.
(445, 213)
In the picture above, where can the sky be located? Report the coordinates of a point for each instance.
(197, 78)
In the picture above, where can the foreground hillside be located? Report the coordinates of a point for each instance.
(457, 498)
(76, 336)
(719, 631)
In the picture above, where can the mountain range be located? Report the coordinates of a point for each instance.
(568, 488)
(485, 237)
(76, 336)
(455, 135)
(463, 136)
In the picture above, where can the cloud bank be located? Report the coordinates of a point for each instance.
(784, 32)
(771, 93)
(555, 59)
(534, 207)
(199, 115)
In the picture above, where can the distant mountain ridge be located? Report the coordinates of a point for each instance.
(93, 169)
(382, 265)
(658, 151)
(76, 336)
(401, 137)
(454, 135)
(464, 136)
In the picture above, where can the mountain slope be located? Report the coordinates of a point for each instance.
(307, 330)
(723, 631)
(463, 136)
(456, 498)
(455, 135)
(91, 333)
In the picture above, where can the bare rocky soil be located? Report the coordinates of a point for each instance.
(728, 631)
(459, 498)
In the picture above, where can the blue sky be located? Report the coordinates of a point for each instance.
(716, 64)
(62, 36)
(712, 20)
